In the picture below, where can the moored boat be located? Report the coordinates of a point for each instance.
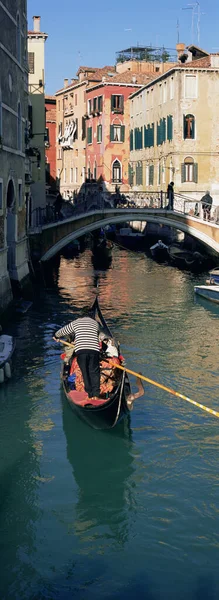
(210, 292)
(214, 276)
(115, 399)
(7, 346)
(159, 251)
(185, 259)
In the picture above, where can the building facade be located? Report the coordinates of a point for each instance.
(174, 129)
(50, 143)
(107, 128)
(71, 129)
(13, 120)
(37, 124)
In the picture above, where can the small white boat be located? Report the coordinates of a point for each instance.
(7, 346)
(214, 276)
(210, 292)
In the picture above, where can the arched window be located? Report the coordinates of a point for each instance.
(189, 170)
(117, 172)
(189, 127)
(18, 38)
(19, 127)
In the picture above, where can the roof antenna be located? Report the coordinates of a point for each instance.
(177, 30)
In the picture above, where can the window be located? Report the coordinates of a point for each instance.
(83, 128)
(171, 88)
(59, 105)
(165, 91)
(76, 99)
(151, 175)
(117, 133)
(46, 137)
(189, 170)
(95, 104)
(19, 127)
(100, 103)
(131, 175)
(117, 178)
(18, 38)
(147, 175)
(76, 175)
(89, 107)
(99, 133)
(65, 177)
(20, 194)
(95, 170)
(131, 139)
(138, 133)
(139, 175)
(31, 65)
(159, 174)
(88, 173)
(170, 128)
(189, 127)
(117, 104)
(161, 132)
(1, 194)
(89, 135)
(149, 136)
(160, 94)
(190, 86)
(71, 175)
(59, 172)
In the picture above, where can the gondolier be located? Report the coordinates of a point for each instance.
(85, 332)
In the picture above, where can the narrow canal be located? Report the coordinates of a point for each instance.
(127, 513)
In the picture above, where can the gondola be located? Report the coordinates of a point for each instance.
(106, 411)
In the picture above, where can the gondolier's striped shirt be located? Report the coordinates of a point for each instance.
(85, 332)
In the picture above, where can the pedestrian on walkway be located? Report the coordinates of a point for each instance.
(206, 206)
(170, 195)
(58, 206)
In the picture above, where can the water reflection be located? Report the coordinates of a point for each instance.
(102, 464)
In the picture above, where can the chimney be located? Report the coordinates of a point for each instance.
(65, 83)
(36, 24)
(181, 51)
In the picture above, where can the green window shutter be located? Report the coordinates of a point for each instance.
(100, 133)
(193, 129)
(152, 134)
(88, 135)
(152, 174)
(184, 128)
(122, 103)
(145, 137)
(183, 173)
(112, 103)
(195, 172)
(91, 135)
(111, 133)
(164, 130)
(169, 128)
(122, 133)
(131, 140)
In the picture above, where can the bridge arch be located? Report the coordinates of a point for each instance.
(56, 236)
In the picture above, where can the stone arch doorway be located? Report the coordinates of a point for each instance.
(11, 227)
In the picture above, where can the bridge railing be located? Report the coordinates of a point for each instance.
(158, 200)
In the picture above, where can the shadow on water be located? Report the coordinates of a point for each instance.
(102, 465)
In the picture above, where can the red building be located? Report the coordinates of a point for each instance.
(50, 142)
(108, 126)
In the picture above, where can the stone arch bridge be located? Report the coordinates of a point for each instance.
(49, 239)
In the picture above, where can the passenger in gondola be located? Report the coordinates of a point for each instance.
(85, 332)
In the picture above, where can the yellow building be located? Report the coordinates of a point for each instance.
(71, 129)
(36, 60)
(174, 130)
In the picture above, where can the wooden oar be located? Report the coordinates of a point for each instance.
(163, 387)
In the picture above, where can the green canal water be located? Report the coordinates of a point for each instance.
(129, 513)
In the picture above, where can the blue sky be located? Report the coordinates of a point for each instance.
(90, 33)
